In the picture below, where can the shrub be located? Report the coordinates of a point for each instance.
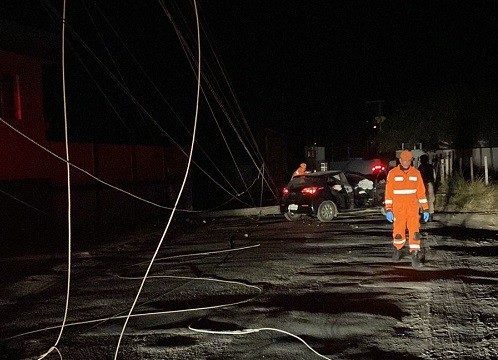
(473, 196)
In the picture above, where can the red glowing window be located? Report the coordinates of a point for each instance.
(10, 98)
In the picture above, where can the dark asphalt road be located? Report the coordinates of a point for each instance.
(332, 285)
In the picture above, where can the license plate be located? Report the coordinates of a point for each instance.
(292, 207)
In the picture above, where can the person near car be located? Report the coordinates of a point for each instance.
(404, 195)
(427, 171)
(300, 170)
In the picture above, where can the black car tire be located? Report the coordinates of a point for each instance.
(327, 211)
(292, 217)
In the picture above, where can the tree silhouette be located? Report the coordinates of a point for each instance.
(457, 116)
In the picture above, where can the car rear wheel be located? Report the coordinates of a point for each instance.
(327, 211)
(292, 217)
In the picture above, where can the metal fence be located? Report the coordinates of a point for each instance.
(469, 163)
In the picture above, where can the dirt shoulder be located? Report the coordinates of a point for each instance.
(485, 221)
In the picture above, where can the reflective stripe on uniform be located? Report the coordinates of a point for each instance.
(388, 201)
(399, 178)
(414, 247)
(412, 178)
(404, 191)
(422, 201)
(399, 242)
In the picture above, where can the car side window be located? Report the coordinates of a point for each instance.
(334, 182)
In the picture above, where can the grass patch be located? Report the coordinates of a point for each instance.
(472, 196)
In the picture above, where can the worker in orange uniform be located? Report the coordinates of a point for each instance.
(300, 170)
(404, 196)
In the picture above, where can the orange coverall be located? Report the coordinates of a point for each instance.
(405, 194)
(300, 170)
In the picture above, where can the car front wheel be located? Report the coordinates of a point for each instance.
(327, 211)
(292, 217)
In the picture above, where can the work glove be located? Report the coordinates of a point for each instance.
(426, 216)
(390, 216)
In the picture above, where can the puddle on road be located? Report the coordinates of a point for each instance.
(212, 325)
(174, 341)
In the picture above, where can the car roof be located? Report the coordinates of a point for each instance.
(321, 173)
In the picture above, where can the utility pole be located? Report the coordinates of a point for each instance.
(379, 119)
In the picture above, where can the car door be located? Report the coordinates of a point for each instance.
(349, 193)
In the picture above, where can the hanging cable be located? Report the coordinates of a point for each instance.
(68, 171)
(120, 83)
(125, 89)
(179, 194)
(251, 331)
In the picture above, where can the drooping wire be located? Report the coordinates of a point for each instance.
(239, 111)
(191, 58)
(83, 170)
(252, 142)
(69, 203)
(250, 331)
(126, 90)
(24, 203)
(236, 196)
(208, 157)
(157, 313)
(181, 188)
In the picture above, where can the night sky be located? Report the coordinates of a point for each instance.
(316, 65)
(302, 68)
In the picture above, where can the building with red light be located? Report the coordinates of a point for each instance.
(33, 173)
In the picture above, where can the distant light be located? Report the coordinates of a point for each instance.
(375, 126)
(378, 168)
(285, 191)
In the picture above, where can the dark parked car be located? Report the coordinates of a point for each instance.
(324, 194)
(321, 194)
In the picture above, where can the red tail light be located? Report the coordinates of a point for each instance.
(310, 190)
(285, 191)
(378, 168)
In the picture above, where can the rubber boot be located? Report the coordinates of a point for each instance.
(415, 259)
(396, 255)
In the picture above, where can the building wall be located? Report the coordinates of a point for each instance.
(33, 182)
(32, 124)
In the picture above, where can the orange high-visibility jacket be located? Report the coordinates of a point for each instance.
(405, 187)
(300, 170)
